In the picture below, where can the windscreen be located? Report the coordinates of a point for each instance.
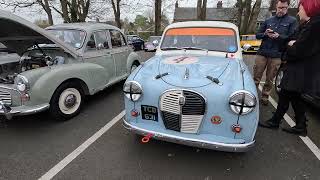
(75, 38)
(212, 39)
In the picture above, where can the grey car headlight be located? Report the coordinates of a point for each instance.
(22, 83)
(132, 90)
(242, 102)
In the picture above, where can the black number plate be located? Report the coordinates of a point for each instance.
(149, 113)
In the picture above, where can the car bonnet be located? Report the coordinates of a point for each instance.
(193, 71)
(18, 34)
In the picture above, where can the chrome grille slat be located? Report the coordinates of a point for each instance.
(5, 97)
(184, 118)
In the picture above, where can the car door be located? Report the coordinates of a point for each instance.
(98, 51)
(120, 52)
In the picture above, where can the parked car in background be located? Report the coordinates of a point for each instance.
(311, 99)
(195, 91)
(136, 42)
(58, 66)
(251, 41)
(153, 43)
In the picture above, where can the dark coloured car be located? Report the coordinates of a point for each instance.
(312, 99)
(136, 42)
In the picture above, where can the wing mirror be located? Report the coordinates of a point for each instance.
(155, 43)
(246, 47)
(100, 46)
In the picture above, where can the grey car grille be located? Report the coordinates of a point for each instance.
(182, 110)
(5, 97)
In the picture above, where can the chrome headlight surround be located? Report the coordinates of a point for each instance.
(22, 83)
(132, 90)
(242, 102)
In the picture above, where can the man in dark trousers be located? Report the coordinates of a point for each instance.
(273, 32)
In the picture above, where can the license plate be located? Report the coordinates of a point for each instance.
(149, 113)
(256, 49)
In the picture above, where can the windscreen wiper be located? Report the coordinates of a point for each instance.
(171, 48)
(161, 75)
(194, 48)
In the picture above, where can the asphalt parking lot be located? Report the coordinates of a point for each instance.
(36, 146)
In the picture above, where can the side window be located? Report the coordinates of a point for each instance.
(116, 38)
(91, 45)
(101, 40)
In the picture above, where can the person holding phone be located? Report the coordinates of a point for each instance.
(301, 71)
(272, 32)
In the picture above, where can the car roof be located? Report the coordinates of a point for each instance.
(203, 24)
(86, 26)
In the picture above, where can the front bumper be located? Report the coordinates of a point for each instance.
(190, 142)
(22, 110)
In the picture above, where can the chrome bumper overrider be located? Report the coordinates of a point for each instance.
(190, 142)
(21, 110)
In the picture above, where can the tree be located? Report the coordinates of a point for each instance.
(202, 10)
(254, 16)
(157, 14)
(247, 15)
(44, 4)
(116, 11)
(73, 10)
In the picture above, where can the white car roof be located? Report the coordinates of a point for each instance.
(219, 24)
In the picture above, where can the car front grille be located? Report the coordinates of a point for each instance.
(5, 97)
(182, 110)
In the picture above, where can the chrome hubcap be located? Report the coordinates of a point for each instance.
(70, 101)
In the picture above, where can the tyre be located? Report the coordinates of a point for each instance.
(134, 66)
(66, 101)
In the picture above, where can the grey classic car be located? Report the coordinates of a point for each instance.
(59, 66)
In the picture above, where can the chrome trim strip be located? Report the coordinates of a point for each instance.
(191, 142)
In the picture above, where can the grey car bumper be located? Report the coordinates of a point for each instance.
(190, 142)
(21, 110)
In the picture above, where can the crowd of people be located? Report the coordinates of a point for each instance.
(295, 45)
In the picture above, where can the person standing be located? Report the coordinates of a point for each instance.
(301, 70)
(272, 32)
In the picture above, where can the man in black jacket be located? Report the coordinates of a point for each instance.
(272, 32)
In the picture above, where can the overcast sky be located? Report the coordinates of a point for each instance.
(34, 13)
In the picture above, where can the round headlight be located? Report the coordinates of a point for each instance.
(22, 83)
(242, 102)
(132, 90)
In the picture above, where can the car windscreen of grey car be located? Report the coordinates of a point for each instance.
(212, 39)
(74, 38)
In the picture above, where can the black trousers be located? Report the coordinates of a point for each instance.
(285, 97)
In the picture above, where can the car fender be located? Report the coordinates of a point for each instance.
(132, 58)
(45, 86)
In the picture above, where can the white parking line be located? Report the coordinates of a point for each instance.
(314, 149)
(63, 163)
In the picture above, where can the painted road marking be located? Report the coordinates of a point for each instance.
(307, 141)
(63, 163)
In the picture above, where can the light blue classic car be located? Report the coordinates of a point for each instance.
(195, 91)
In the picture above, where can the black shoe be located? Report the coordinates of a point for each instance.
(296, 130)
(269, 124)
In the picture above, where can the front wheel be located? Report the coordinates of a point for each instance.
(66, 102)
(134, 66)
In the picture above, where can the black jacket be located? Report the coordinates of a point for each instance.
(285, 26)
(302, 70)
